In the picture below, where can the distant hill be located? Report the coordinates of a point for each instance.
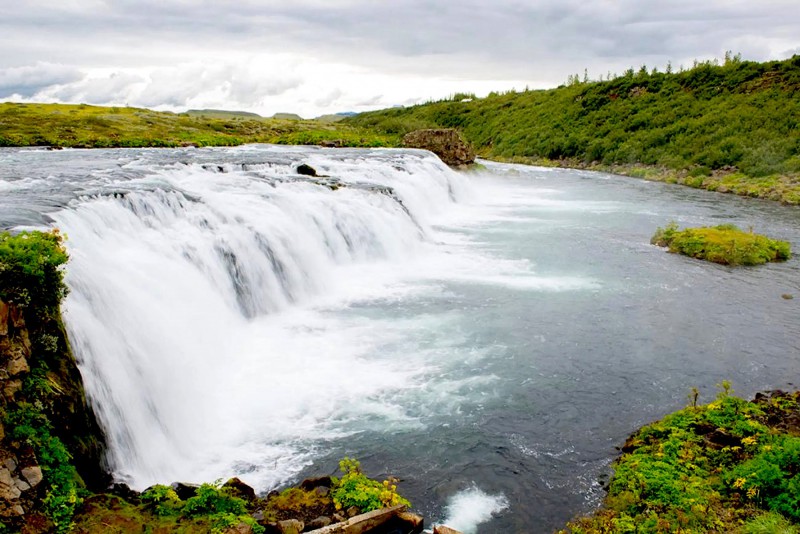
(85, 126)
(730, 127)
(287, 116)
(222, 114)
(336, 117)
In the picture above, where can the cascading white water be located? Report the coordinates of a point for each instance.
(194, 308)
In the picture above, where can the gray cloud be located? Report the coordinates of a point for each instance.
(189, 51)
(29, 80)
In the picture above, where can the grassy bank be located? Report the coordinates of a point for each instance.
(84, 126)
(730, 128)
(728, 466)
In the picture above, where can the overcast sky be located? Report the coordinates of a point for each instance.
(325, 56)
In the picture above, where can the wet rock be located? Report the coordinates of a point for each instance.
(306, 170)
(322, 491)
(385, 518)
(319, 522)
(124, 491)
(240, 489)
(415, 522)
(316, 482)
(8, 490)
(10, 464)
(442, 529)
(17, 365)
(16, 317)
(4, 311)
(445, 143)
(241, 528)
(33, 475)
(787, 296)
(11, 388)
(184, 490)
(291, 526)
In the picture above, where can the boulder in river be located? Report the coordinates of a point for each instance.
(446, 143)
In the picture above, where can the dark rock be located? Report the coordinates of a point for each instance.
(316, 482)
(240, 489)
(319, 522)
(787, 296)
(445, 143)
(415, 522)
(353, 511)
(184, 490)
(291, 526)
(322, 491)
(125, 492)
(306, 170)
(33, 475)
(4, 313)
(17, 317)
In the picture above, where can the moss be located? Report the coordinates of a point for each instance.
(725, 244)
(727, 466)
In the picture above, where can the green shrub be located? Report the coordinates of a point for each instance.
(30, 268)
(355, 489)
(725, 244)
(772, 477)
(61, 479)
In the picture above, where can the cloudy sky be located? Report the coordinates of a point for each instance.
(323, 56)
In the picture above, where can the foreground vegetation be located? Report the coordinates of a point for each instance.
(725, 244)
(728, 466)
(83, 126)
(731, 127)
(219, 508)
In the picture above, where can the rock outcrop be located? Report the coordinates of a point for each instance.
(33, 348)
(445, 143)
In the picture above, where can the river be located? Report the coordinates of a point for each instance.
(487, 337)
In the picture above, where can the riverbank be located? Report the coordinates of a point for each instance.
(780, 188)
(727, 466)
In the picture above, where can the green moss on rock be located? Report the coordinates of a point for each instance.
(725, 244)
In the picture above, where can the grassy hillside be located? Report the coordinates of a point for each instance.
(98, 127)
(732, 127)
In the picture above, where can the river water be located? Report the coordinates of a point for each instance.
(487, 337)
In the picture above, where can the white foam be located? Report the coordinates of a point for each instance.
(470, 508)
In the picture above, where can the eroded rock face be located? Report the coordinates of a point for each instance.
(28, 338)
(445, 143)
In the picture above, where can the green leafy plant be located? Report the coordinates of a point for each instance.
(356, 489)
(30, 268)
(716, 467)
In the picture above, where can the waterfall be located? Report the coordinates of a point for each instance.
(195, 300)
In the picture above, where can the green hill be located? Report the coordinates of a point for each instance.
(222, 113)
(62, 125)
(731, 127)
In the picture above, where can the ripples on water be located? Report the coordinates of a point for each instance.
(489, 338)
